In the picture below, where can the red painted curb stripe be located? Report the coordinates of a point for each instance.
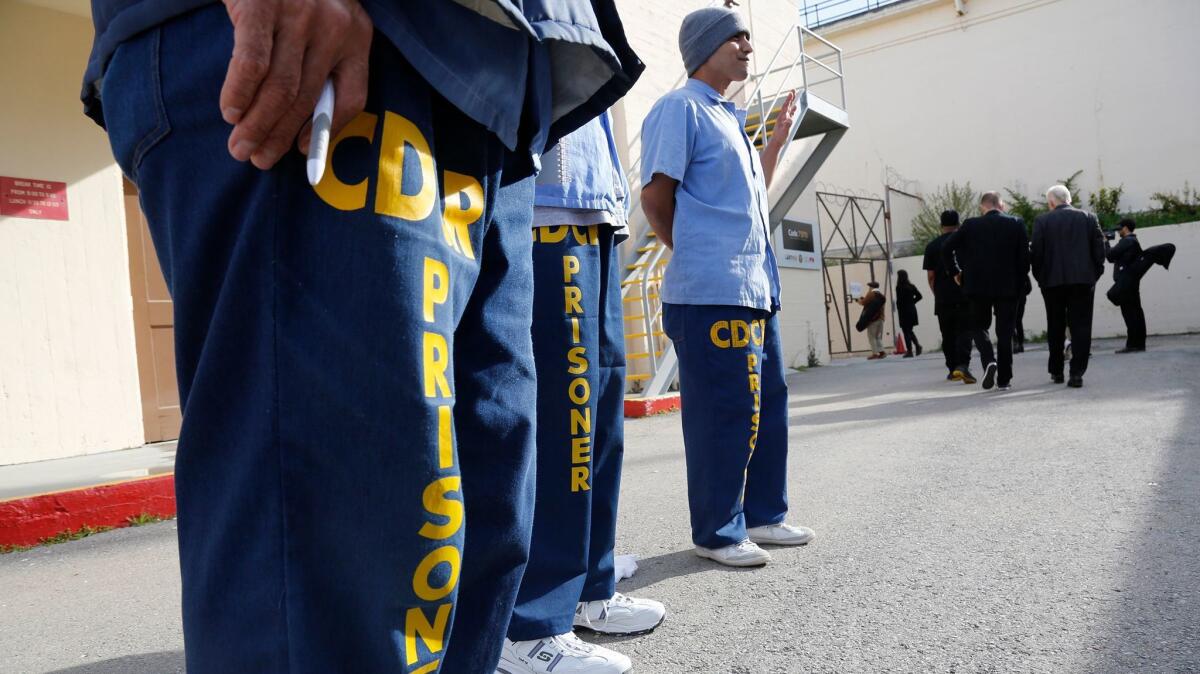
(641, 407)
(26, 521)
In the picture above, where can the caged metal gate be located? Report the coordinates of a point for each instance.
(856, 249)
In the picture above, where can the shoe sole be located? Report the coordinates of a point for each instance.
(763, 541)
(969, 380)
(634, 633)
(989, 377)
(520, 668)
(740, 565)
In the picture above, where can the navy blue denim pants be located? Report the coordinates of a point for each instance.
(579, 345)
(355, 466)
(734, 410)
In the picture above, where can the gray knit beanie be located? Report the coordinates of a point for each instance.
(703, 31)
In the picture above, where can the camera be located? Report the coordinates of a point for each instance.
(1110, 234)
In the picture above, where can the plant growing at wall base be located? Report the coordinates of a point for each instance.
(927, 225)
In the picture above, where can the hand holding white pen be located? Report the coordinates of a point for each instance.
(318, 142)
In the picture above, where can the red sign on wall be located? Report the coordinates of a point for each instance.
(29, 198)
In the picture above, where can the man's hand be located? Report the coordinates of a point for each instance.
(785, 120)
(283, 51)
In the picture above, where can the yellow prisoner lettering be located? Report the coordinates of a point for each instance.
(437, 286)
(574, 330)
(581, 422)
(447, 554)
(456, 220)
(579, 478)
(572, 296)
(437, 359)
(570, 267)
(429, 668)
(332, 190)
(581, 449)
(579, 391)
(435, 502)
(751, 361)
(579, 363)
(431, 634)
(445, 438)
(398, 135)
(754, 384)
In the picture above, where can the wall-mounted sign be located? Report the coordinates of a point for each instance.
(798, 245)
(29, 198)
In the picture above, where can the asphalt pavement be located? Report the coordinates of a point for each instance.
(1044, 529)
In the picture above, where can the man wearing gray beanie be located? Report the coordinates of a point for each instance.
(704, 191)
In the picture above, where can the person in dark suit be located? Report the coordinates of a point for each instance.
(907, 297)
(1068, 258)
(989, 257)
(1123, 255)
(1019, 323)
(949, 303)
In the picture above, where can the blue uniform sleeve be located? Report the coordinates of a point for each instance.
(667, 139)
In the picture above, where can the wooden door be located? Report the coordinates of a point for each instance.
(154, 328)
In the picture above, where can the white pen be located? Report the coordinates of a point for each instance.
(318, 142)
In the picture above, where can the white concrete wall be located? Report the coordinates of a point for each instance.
(1167, 295)
(68, 371)
(1016, 93)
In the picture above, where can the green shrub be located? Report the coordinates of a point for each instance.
(927, 225)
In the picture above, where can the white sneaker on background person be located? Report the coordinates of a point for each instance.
(620, 615)
(561, 654)
(745, 553)
(781, 534)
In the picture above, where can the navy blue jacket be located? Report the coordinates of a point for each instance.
(499, 61)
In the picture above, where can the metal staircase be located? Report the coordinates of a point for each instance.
(817, 78)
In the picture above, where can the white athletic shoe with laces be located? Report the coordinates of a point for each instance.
(781, 534)
(619, 615)
(562, 654)
(745, 553)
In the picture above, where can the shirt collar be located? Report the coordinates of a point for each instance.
(703, 88)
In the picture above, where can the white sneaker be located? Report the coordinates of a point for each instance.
(562, 654)
(781, 534)
(745, 553)
(619, 615)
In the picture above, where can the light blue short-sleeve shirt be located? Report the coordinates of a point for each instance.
(722, 251)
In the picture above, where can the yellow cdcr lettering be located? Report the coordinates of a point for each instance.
(553, 234)
(715, 334)
(399, 134)
(332, 190)
(739, 333)
(447, 554)
(757, 336)
(431, 634)
(437, 286)
(435, 502)
(456, 218)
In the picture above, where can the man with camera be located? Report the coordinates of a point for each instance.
(1123, 255)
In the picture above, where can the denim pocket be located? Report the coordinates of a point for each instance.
(133, 103)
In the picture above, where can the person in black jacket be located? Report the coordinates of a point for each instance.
(949, 303)
(1019, 323)
(1068, 258)
(907, 297)
(989, 257)
(1123, 255)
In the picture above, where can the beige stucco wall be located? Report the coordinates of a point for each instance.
(68, 371)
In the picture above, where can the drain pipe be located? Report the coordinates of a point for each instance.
(960, 6)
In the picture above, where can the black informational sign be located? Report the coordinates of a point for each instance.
(798, 245)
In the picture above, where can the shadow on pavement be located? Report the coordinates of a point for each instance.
(163, 662)
(1154, 622)
(672, 565)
